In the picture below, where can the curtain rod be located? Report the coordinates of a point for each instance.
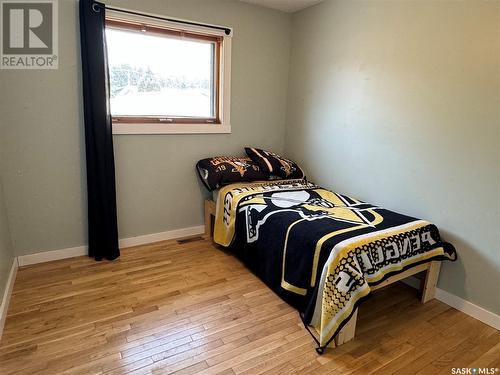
(98, 6)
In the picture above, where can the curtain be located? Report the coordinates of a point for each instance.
(101, 191)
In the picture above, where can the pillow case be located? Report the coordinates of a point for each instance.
(223, 170)
(274, 164)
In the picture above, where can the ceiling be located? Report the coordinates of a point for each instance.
(289, 6)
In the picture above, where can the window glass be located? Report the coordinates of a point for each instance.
(153, 74)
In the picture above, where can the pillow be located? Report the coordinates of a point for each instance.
(274, 164)
(223, 170)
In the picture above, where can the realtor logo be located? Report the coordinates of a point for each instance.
(29, 34)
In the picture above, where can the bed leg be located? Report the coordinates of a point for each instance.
(347, 333)
(430, 282)
(209, 215)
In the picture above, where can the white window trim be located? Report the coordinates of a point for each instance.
(132, 128)
(225, 94)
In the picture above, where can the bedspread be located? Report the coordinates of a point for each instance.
(320, 250)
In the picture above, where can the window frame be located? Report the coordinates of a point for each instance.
(220, 122)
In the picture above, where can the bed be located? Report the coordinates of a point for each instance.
(322, 252)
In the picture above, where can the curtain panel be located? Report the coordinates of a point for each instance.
(101, 189)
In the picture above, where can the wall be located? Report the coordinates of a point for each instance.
(6, 254)
(397, 103)
(157, 189)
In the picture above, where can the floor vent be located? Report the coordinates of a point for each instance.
(191, 239)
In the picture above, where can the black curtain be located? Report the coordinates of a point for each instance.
(101, 191)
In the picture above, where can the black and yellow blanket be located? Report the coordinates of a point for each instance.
(319, 250)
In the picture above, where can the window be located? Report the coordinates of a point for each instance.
(167, 80)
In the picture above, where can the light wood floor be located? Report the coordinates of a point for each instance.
(191, 308)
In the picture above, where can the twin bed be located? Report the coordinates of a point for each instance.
(323, 252)
(320, 251)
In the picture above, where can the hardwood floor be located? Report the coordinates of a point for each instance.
(189, 308)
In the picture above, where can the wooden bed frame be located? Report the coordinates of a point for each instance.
(427, 284)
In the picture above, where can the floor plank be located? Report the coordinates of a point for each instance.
(189, 308)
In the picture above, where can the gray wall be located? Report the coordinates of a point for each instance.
(157, 189)
(6, 254)
(397, 103)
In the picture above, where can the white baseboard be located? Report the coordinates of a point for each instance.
(162, 236)
(47, 256)
(7, 294)
(475, 311)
